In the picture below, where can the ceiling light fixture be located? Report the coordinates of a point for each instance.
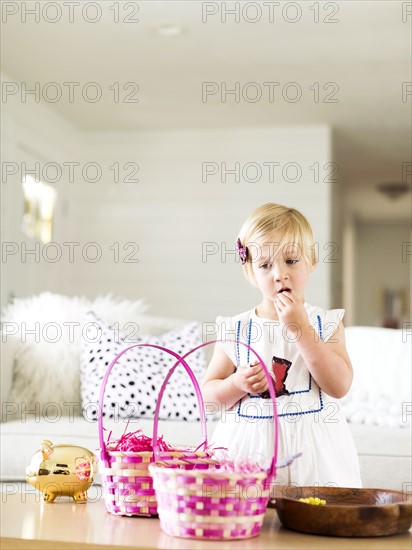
(169, 29)
(393, 190)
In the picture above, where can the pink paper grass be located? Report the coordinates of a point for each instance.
(136, 442)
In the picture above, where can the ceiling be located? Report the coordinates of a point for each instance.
(360, 61)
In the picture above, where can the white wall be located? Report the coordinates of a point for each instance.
(169, 214)
(30, 134)
(348, 276)
(379, 263)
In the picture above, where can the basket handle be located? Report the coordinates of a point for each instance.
(272, 468)
(103, 450)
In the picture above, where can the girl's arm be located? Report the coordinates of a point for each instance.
(328, 362)
(224, 385)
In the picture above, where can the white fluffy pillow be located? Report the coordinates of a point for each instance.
(137, 376)
(46, 362)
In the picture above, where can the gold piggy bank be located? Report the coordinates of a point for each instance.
(61, 470)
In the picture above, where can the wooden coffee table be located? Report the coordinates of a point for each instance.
(27, 522)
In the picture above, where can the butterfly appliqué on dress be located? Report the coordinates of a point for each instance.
(280, 369)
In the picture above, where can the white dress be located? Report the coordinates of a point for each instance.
(310, 422)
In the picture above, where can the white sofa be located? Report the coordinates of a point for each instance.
(379, 404)
(378, 408)
(24, 424)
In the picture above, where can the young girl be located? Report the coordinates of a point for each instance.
(303, 346)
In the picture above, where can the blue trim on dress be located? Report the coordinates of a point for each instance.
(269, 417)
(237, 344)
(320, 327)
(248, 342)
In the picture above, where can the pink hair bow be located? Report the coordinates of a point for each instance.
(242, 251)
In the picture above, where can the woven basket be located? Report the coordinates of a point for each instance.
(208, 503)
(126, 480)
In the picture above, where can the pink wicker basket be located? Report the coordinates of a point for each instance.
(208, 503)
(126, 480)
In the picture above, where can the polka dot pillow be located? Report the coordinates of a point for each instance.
(136, 378)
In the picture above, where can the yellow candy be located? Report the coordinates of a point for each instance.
(313, 500)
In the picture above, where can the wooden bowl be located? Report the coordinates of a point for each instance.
(347, 512)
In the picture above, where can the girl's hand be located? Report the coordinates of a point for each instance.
(251, 378)
(291, 311)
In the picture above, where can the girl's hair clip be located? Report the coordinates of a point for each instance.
(242, 251)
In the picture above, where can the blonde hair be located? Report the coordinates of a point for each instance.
(275, 222)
